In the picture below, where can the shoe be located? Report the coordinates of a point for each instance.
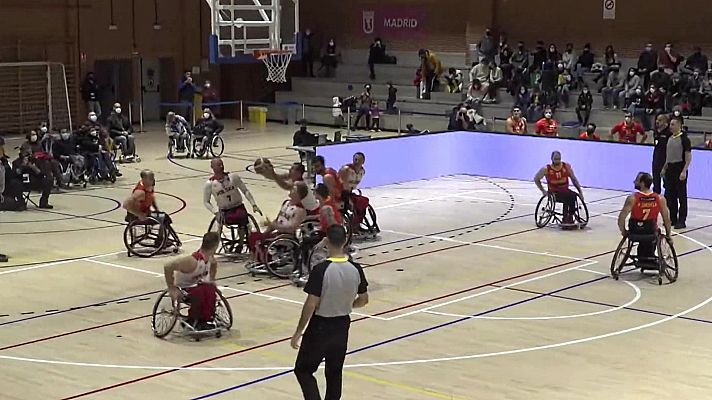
(46, 206)
(3, 258)
(680, 225)
(119, 174)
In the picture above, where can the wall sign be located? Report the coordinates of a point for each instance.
(391, 21)
(609, 9)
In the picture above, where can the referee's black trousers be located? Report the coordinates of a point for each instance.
(676, 192)
(325, 339)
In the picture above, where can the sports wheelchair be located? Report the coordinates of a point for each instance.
(98, 169)
(546, 211)
(201, 148)
(233, 237)
(151, 236)
(180, 145)
(73, 173)
(368, 227)
(664, 263)
(166, 313)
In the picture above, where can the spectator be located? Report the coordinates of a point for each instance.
(90, 94)
(364, 110)
(637, 108)
(568, 58)
(584, 105)
(553, 55)
(309, 52)
(669, 59)
(336, 112)
(536, 108)
(520, 69)
(661, 80)
(431, 68)
(660, 138)
(614, 85)
(647, 62)
(392, 97)
(631, 84)
(375, 117)
(476, 91)
(628, 130)
(39, 146)
(10, 184)
(458, 118)
(486, 48)
(611, 61)
(186, 93)
(590, 132)
(475, 119)
(680, 87)
(695, 99)
(97, 156)
(539, 57)
(304, 138)
(547, 126)
(654, 103)
(548, 78)
(91, 123)
(495, 80)
(330, 59)
(481, 73)
(505, 61)
(377, 55)
(584, 63)
(121, 132)
(523, 99)
(66, 149)
(696, 61)
(454, 80)
(677, 115)
(563, 85)
(25, 165)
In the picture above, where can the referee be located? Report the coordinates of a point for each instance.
(678, 156)
(334, 288)
(661, 134)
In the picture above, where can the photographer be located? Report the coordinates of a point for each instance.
(10, 185)
(25, 164)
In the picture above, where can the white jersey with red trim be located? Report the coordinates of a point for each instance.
(226, 192)
(201, 273)
(355, 177)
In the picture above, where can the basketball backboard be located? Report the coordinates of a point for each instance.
(239, 27)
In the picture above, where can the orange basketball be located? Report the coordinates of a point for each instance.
(262, 165)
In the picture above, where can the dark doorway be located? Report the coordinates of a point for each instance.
(115, 78)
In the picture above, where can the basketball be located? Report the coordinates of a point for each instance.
(263, 165)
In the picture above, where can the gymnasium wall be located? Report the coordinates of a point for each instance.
(603, 165)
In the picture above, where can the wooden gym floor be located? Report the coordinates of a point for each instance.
(468, 299)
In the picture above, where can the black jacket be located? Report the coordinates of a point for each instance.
(585, 101)
(660, 140)
(304, 138)
(118, 123)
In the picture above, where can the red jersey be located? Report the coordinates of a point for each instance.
(339, 185)
(323, 223)
(585, 135)
(709, 144)
(547, 127)
(628, 134)
(518, 125)
(557, 179)
(145, 206)
(646, 207)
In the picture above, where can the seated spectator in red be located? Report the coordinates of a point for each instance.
(628, 130)
(547, 126)
(590, 133)
(670, 59)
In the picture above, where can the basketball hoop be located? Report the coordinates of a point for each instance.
(277, 62)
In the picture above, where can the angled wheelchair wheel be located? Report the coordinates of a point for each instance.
(233, 238)
(145, 238)
(581, 213)
(223, 312)
(370, 223)
(668, 260)
(316, 255)
(620, 257)
(282, 256)
(217, 146)
(164, 316)
(544, 211)
(347, 226)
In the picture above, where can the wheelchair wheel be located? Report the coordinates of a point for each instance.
(347, 226)
(230, 241)
(164, 316)
(581, 212)
(145, 238)
(316, 255)
(282, 256)
(544, 211)
(369, 222)
(223, 312)
(217, 146)
(668, 260)
(620, 257)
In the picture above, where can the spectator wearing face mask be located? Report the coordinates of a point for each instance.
(523, 99)
(584, 105)
(90, 94)
(654, 102)
(39, 147)
(495, 81)
(680, 87)
(520, 68)
(661, 80)
(614, 85)
(584, 63)
(628, 130)
(553, 54)
(630, 86)
(364, 109)
(563, 84)
(66, 149)
(121, 132)
(96, 155)
(41, 180)
(207, 127)
(647, 63)
(92, 122)
(590, 133)
(547, 126)
(636, 107)
(670, 59)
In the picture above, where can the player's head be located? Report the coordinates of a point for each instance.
(210, 243)
(359, 158)
(628, 117)
(148, 179)
(336, 237)
(548, 114)
(217, 165)
(321, 192)
(296, 172)
(591, 128)
(516, 112)
(170, 117)
(643, 181)
(662, 121)
(319, 165)
(556, 158)
(299, 192)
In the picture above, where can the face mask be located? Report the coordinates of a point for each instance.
(648, 49)
(586, 50)
(207, 85)
(631, 73)
(43, 129)
(92, 118)
(585, 91)
(547, 115)
(676, 113)
(117, 110)
(65, 136)
(94, 133)
(33, 138)
(627, 120)
(331, 43)
(206, 115)
(652, 90)
(668, 49)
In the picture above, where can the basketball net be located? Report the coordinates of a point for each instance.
(277, 63)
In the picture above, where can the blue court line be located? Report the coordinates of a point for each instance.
(432, 328)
